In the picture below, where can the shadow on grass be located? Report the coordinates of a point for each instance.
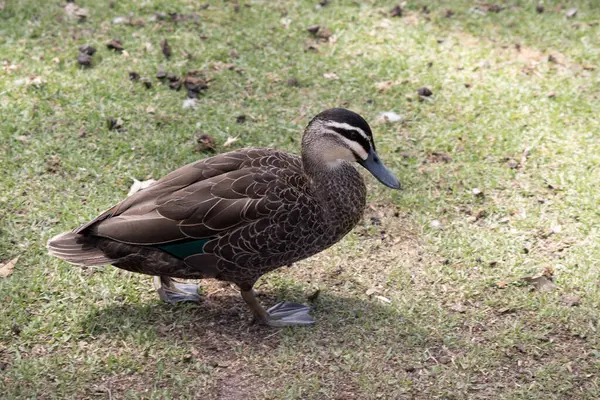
(226, 321)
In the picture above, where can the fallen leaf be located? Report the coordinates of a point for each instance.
(74, 11)
(8, 268)
(230, 140)
(139, 185)
(115, 44)
(383, 299)
(205, 142)
(571, 12)
(459, 308)
(385, 85)
(166, 49)
(150, 110)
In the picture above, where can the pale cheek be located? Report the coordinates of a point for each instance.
(336, 154)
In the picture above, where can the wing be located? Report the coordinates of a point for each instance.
(203, 199)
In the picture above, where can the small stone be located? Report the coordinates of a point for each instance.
(477, 192)
(435, 224)
(571, 12)
(161, 75)
(424, 92)
(172, 77)
(189, 103)
(552, 94)
(539, 9)
(390, 117)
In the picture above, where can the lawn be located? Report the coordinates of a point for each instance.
(479, 280)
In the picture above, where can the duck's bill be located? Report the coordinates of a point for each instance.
(374, 165)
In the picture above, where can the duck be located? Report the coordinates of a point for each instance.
(238, 215)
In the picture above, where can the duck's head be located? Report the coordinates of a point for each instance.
(337, 135)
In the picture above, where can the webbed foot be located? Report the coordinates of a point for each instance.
(173, 292)
(289, 314)
(281, 314)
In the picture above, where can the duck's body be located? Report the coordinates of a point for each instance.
(233, 217)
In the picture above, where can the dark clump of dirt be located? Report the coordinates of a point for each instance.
(437, 157)
(396, 11)
(89, 50)
(134, 76)
(147, 84)
(293, 82)
(240, 119)
(166, 49)
(115, 44)
(495, 8)
(539, 8)
(320, 31)
(424, 92)
(195, 84)
(449, 13)
(84, 59)
(205, 142)
(53, 164)
(114, 124)
(175, 85)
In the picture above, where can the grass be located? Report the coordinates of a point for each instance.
(410, 308)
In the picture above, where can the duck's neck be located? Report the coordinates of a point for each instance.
(336, 183)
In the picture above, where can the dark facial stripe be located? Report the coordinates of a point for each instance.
(354, 136)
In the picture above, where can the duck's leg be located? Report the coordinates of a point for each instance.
(281, 314)
(173, 292)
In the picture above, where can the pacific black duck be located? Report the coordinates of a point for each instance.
(238, 215)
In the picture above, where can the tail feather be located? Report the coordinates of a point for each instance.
(77, 249)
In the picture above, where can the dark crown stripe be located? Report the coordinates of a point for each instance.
(354, 136)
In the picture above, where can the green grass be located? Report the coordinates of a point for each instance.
(460, 322)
